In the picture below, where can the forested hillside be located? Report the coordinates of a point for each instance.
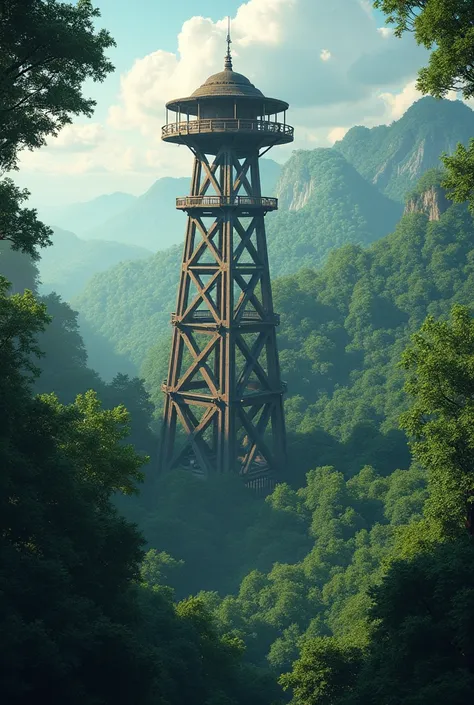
(312, 553)
(393, 157)
(343, 330)
(152, 221)
(324, 203)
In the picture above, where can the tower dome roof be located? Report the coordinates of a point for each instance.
(224, 85)
(227, 83)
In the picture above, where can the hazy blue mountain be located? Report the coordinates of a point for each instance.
(270, 172)
(152, 221)
(68, 264)
(393, 157)
(81, 217)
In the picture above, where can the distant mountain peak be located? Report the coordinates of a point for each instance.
(394, 157)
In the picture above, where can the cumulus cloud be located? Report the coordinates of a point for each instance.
(78, 138)
(336, 134)
(398, 103)
(385, 32)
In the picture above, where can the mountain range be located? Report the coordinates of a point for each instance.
(325, 202)
(87, 215)
(130, 304)
(70, 262)
(150, 220)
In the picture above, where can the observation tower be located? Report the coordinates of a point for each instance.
(224, 396)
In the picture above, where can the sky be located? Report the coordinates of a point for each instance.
(334, 61)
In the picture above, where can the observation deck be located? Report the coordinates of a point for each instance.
(208, 205)
(209, 132)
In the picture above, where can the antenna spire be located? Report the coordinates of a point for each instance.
(228, 56)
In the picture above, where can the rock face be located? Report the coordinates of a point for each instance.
(294, 194)
(432, 202)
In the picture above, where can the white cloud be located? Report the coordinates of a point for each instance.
(336, 134)
(398, 103)
(366, 6)
(275, 44)
(78, 138)
(385, 32)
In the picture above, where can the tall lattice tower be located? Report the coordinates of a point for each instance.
(223, 387)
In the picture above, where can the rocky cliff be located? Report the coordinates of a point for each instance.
(432, 202)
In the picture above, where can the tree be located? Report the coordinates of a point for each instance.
(18, 225)
(47, 50)
(446, 27)
(421, 650)
(440, 421)
(459, 179)
(325, 670)
(67, 559)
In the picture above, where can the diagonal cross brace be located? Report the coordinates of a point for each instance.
(210, 171)
(247, 295)
(246, 242)
(251, 362)
(261, 426)
(256, 436)
(199, 362)
(194, 432)
(206, 242)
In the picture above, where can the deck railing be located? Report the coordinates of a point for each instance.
(192, 127)
(219, 201)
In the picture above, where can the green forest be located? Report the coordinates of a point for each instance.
(352, 582)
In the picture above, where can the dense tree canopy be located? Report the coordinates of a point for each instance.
(420, 647)
(441, 418)
(459, 180)
(447, 25)
(55, 570)
(18, 225)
